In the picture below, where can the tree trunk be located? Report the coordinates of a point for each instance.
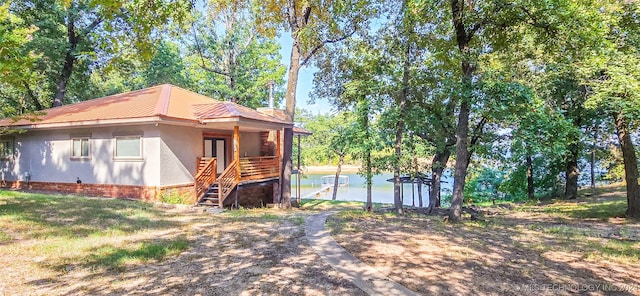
(336, 182)
(593, 160)
(397, 199)
(367, 161)
(369, 182)
(462, 152)
(630, 166)
(530, 188)
(463, 39)
(401, 101)
(438, 164)
(572, 173)
(287, 152)
(69, 60)
(420, 194)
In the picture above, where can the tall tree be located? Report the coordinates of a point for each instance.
(75, 37)
(312, 25)
(14, 64)
(615, 83)
(349, 77)
(166, 66)
(236, 60)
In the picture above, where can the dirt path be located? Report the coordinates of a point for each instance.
(349, 267)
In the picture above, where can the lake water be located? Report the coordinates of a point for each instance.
(381, 190)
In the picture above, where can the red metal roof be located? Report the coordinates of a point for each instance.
(164, 101)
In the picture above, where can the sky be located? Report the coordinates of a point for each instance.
(305, 80)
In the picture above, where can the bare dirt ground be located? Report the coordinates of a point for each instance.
(250, 253)
(536, 250)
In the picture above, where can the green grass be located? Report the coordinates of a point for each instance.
(323, 204)
(4, 237)
(581, 208)
(618, 249)
(112, 257)
(490, 203)
(91, 232)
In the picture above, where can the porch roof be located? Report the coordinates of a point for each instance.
(162, 103)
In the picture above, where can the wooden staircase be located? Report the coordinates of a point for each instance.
(212, 190)
(211, 197)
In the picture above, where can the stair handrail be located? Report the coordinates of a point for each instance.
(204, 178)
(227, 181)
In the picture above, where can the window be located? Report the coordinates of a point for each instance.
(80, 148)
(6, 148)
(128, 147)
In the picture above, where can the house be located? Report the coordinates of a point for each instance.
(145, 143)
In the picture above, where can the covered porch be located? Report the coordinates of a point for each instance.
(248, 155)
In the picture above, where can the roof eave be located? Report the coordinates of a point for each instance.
(250, 121)
(108, 122)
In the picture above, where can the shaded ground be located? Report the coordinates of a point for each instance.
(77, 246)
(63, 245)
(558, 248)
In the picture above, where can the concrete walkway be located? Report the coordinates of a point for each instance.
(362, 275)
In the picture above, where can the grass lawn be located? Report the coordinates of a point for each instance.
(68, 245)
(62, 245)
(67, 232)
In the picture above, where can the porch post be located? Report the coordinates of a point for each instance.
(236, 149)
(278, 150)
(276, 189)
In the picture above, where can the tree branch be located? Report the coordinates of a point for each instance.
(537, 23)
(477, 131)
(91, 26)
(322, 44)
(203, 64)
(33, 97)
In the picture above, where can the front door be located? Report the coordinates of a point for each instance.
(216, 147)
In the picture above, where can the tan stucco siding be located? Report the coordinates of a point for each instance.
(249, 144)
(46, 156)
(180, 149)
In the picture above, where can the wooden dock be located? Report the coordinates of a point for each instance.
(316, 193)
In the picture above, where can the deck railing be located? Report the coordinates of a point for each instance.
(205, 177)
(246, 169)
(227, 181)
(259, 167)
(202, 161)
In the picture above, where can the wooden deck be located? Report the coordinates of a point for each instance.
(242, 171)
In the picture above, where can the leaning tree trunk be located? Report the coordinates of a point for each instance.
(530, 188)
(336, 181)
(438, 165)
(287, 152)
(69, 60)
(630, 166)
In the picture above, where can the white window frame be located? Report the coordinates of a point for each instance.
(88, 156)
(115, 148)
(12, 151)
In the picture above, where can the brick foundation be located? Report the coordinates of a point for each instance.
(148, 193)
(249, 196)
